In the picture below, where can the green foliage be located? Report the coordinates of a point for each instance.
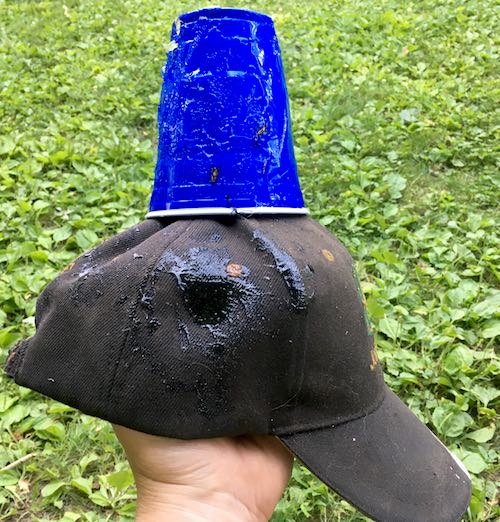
(394, 118)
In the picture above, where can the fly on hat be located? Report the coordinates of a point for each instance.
(194, 326)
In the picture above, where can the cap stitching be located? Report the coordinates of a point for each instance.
(313, 427)
(133, 308)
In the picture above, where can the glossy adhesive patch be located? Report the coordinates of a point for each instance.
(225, 140)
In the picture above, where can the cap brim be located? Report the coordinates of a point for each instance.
(388, 464)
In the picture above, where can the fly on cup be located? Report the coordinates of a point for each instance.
(225, 137)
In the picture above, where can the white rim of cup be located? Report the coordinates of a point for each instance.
(224, 211)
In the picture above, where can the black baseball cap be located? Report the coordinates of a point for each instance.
(225, 326)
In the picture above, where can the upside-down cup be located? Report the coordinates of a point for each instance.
(225, 138)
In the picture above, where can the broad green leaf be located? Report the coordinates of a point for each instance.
(82, 484)
(59, 407)
(40, 205)
(390, 257)
(14, 415)
(52, 487)
(100, 499)
(40, 255)
(450, 421)
(457, 424)
(8, 337)
(408, 377)
(485, 394)
(326, 220)
(50, 430)
(59, 156)
(375, 311)
(460, 358)
(69, 516)
(128, 509)
(61, 234)
(88, 459)
(9, 477)
(491, 329)
(6, 401)
(465, 292)
(482, 435)
(474, 463)
(389, 327)
(7, 145)
(120, 480)
(489, 307)
(86, 239)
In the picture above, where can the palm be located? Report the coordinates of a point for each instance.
(253, 469)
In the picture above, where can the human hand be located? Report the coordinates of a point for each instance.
(221, 479)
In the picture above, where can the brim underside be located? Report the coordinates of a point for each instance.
(388, 464)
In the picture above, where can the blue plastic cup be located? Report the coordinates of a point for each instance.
(225, 139)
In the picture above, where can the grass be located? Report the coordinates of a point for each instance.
(395, 112)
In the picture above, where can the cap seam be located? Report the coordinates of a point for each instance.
(132, 308)
(313, 427)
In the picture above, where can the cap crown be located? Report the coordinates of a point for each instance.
(208, 327)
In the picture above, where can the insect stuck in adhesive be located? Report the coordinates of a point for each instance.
(234, 270)
(259, 133)
(328, 255)
(214, 175)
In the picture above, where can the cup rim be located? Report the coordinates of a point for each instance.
(226, 211)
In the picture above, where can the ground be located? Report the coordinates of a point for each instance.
(394, 107)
